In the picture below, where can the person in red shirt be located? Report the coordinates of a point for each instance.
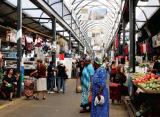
(41, 79)
(113, 71)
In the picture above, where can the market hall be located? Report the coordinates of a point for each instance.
(47, 46)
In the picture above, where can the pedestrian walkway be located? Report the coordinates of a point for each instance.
(56, 105)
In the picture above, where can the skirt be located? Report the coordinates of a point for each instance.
(41, 84)
(115, 91)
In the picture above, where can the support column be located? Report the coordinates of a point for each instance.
(132, 34)
(119, 44)
(54, 39)
(19, 46)
(124, 35)
(70, 43)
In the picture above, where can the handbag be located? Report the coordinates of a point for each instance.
(99, 102)
(65, 76)
(90, 98)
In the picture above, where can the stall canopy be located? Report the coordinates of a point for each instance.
(144, 11)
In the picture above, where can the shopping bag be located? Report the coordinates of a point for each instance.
(90, 98)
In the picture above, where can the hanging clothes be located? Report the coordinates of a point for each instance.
(38, 42)
(23, 40)
(126, 49)
(148, 47)
(144, 48)
(116, 42)
(141, 48)
(29, 43)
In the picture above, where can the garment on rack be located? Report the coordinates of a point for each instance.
(38, 42)
(144, 48)
(29, 43)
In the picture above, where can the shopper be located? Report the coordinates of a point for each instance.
(113, 71)
(100, 98)
(74, 65)
(16, 76)
(41, 79)
(62, 76)
(51, 77)
(156, 66)
(120, 77)
(7, 86)
(106, 64)
(80, 67)
(87, 74)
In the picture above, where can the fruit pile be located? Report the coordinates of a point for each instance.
(149, 82)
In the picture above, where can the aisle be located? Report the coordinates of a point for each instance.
(56, 105)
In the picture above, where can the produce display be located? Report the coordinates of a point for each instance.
(148, 82)
(144, 65)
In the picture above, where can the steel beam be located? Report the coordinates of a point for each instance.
(30, 9)
(70, 42)
(148, 6)
(38, 18)
(124, 35)
(52, 13)
(62, 9)
(132, 35)
(55, 3)
(4, 15)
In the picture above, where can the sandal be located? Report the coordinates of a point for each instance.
(10, 99)
(83, 111)
(44, 98)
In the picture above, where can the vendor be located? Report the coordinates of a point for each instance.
(156, 66)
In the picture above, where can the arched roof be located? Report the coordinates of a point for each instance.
(102, 13)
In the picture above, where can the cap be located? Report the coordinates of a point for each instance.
(88, 58)
(98, 60)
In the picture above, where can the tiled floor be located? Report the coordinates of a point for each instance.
(56, 105)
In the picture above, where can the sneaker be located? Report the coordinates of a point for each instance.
(49, 92)
(61, 90)
(52, 92)
(55, 89)
(36, 98)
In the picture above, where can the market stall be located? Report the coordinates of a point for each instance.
(144, 91)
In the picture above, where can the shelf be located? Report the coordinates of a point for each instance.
(11, 67)
(8, 51)
(29, 69)
(9, 58)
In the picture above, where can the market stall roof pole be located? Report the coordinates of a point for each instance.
(19, 46)
(132, 34)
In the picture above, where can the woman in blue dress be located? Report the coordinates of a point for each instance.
(100, 96)
(87, 73)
